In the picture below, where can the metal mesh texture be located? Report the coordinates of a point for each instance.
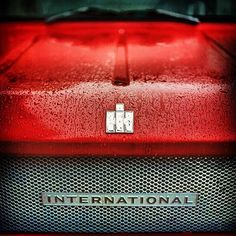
(23, 179)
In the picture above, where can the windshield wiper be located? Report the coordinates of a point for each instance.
(187, 18)
(98, 13)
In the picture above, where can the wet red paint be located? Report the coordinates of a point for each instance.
(56, 83)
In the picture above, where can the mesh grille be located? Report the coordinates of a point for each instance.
(24, 179)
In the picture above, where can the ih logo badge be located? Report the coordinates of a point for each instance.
(120, 121)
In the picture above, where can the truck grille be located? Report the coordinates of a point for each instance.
(23, 179)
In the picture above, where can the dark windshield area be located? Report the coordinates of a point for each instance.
(41, 9)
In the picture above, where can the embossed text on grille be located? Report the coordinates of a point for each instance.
(121, 199)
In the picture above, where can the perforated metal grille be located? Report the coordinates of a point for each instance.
(24, 179)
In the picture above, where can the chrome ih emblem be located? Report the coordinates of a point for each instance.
(119, 121)
(121, 199)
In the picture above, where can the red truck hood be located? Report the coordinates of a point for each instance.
(56, 85)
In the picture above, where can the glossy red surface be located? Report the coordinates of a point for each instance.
(57, 82)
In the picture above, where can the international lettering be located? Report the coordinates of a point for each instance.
(147, 199)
